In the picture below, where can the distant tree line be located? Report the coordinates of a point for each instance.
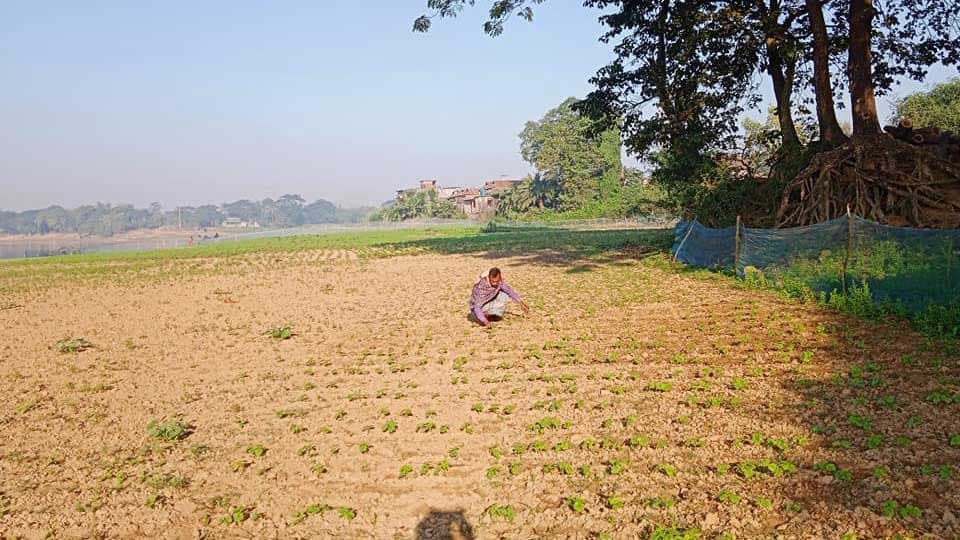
(105, 219)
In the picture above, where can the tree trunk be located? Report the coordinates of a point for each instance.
(830, 131)
(782, 90)
(865, 121)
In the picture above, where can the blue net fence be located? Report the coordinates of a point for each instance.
(910, 268)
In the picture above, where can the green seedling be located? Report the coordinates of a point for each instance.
(257, 450)
(390, 426)
(666, 469)
(661, 532)
(547, 422)
(279, 333)
(237, 515)
(615, 502)
(169, 430)
(73, 345)
(861, 422)
(505, 512)
(346, 513)
(659, 386)
(577, 504)
(728, 497)
(661, 502)
(310, 510)
(291, 413)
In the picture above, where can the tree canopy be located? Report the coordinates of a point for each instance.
(424, 203)
(940, 107)
(569, 151)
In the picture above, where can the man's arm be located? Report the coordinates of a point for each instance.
(514, 296)
(511, 293)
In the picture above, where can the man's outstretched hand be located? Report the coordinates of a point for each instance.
(524, 307)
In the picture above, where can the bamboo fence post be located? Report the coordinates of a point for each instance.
(846, 257)
(736, 250)
(684, 241)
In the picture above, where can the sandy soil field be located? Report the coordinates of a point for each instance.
(635, 399)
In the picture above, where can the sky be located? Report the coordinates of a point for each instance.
(188, 103)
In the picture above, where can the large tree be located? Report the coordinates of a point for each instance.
(566, 147)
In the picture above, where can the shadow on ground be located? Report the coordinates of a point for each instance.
(444, 526)
(582, 251)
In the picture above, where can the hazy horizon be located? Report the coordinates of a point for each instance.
(192, 104)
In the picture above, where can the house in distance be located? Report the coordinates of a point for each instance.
(476, 203)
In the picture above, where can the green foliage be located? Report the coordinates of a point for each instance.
(73, 345)
(422, 203)
(939, 320)
(237, 515)
(761, 140)
(661, 532)
(577, 504)
(917, 270)
(697, 186)
(938, 107)
(257, 450)
(279, 333)
(168, 430)
(501, 511)
(581, 161)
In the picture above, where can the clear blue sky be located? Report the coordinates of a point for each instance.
(205, 102)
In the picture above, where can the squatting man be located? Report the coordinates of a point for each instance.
(490, 298)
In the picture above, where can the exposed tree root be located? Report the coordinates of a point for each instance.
(882, 179)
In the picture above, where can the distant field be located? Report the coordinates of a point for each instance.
(332, 386)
